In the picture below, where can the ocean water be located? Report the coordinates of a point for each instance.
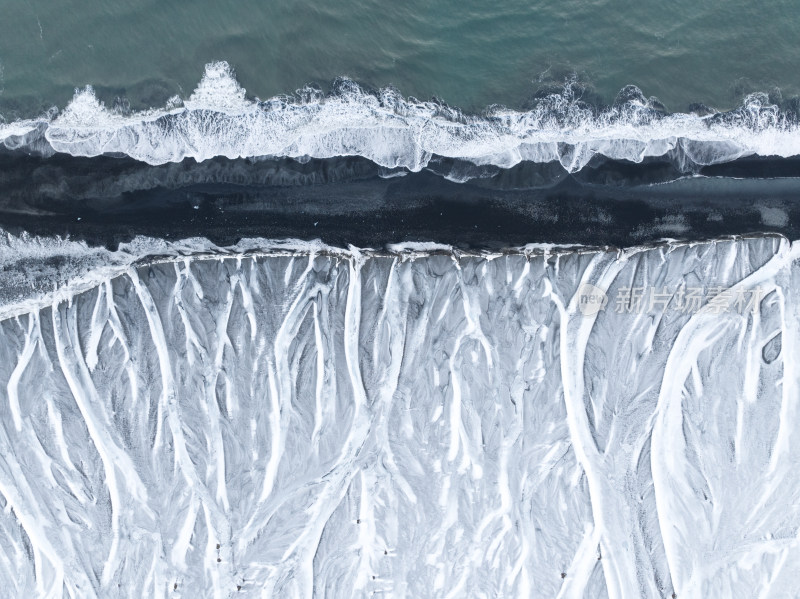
(414, 299)
(470, 54)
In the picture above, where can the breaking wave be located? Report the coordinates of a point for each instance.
(393, 131)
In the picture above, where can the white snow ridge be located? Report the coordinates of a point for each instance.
(298, 421)
(393, 131)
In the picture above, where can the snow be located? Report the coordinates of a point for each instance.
(291, 420)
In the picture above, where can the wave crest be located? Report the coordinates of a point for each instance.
(398, 132)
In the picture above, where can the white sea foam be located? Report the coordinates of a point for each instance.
(219, 120)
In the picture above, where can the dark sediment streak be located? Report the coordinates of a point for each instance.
(349, 200)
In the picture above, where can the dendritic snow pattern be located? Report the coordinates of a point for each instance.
(408, 424)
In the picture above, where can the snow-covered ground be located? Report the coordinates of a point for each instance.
(293, 420)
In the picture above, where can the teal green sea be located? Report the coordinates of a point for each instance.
(468, 53)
